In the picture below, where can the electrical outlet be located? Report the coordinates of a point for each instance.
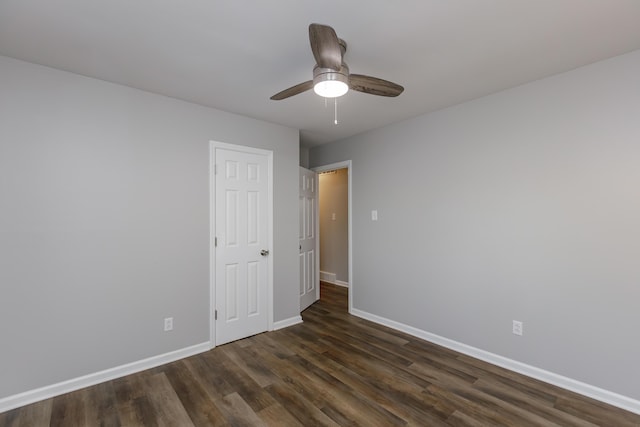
(168, 324)
(374, 215)
(517, 327)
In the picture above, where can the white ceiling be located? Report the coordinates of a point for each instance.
(234, 54)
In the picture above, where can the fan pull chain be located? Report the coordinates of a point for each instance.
(335, 111)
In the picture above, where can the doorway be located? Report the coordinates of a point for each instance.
(335, 217)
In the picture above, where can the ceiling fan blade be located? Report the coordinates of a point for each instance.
(293, 90)
(325, 46)
(374, 85)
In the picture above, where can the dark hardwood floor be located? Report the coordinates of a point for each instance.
(334, 369)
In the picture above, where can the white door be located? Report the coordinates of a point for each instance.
(242, 246)
(308, 224)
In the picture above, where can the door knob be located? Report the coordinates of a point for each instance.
(264, 252)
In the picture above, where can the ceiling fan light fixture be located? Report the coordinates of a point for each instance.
(331, 77)
(330, 83)
(331, 88)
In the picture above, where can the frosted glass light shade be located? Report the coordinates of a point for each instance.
(331, 88)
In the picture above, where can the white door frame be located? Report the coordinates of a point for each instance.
(344, 165)
(212, 231)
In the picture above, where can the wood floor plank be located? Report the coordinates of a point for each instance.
(513, 396)
(385, 353)
(68, 410)
(240, 382)
(361, 385)
(332, 369)
(201, 408)
(509, 411)
(534, 388)
(343, 399)
(215, 385)
(100, 404)
(37, 414)
(275, 347)
(277, 416)
(308, 414)
(592, 411)
(302, 382)
(364, 364)
(245, 358)
(476, 411)
(300, 333)
(434, 375)
(405, 392)
(374, 335)
(460, 419)
(238, 412)
(132, 404)
(166, 404)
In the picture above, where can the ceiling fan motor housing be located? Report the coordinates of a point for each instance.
(322, 75)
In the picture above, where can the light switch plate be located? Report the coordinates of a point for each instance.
(517, 327)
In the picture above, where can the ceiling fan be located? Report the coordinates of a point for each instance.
(331, 77)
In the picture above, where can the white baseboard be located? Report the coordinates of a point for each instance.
(588, 390)
(280, 324)
(32, 396)
(325, 276)
(63, 387)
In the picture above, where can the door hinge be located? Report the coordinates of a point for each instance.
(215, 242)
(215, 315)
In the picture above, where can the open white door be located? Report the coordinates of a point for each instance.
(309, 253)
(241, 248)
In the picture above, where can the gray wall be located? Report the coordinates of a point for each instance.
(304, 156)
(521, 205)
(104, 223)
(334, 234)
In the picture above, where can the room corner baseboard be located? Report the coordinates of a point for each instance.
(584, 389)
(280, 324)
(36, 395)
(326, 276)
